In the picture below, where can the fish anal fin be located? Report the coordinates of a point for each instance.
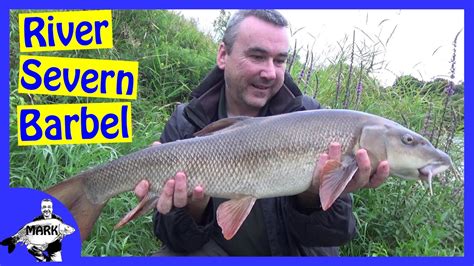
(219, 125)
(232, 214)
(146, 204)
(334, 179)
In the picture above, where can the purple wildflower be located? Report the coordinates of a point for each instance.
(359, 89)
(310, 70)
(449, 90)
(303, 70)
(338, 85)
(345, 103)
(300, 77)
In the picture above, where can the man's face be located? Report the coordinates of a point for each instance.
(47, 208)
(254, 70)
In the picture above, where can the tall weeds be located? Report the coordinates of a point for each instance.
(400, 218)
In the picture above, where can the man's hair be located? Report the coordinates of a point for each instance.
(271, 16)
(46, 200)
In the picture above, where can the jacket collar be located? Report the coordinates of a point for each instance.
(204, 104)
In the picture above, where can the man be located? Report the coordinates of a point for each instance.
(54, 249)
(250, 80)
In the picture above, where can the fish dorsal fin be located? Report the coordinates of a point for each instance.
(146, 204)
(220, 125)
(334, 179)
(232, 214)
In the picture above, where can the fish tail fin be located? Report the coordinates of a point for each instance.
(72, 194)
(10, 242)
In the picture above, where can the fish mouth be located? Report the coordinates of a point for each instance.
(441, 164)
(427, 172)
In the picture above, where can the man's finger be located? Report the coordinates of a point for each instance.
(323, 158)
(165, 202)
(363, 163)
(198, 193)
(335, 152)
(155, 143)
(141, 189)
(362, 176)
(383, 170)
(180, 190)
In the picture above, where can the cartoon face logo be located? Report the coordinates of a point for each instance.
(47, 208)
(42, 236)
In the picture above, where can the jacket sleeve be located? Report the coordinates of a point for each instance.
(315, 227)
(177, 229)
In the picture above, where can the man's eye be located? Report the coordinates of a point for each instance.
(280, 61)
(258, 57)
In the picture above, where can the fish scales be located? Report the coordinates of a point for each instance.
(265, 157)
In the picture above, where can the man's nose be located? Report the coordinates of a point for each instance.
(268, 71)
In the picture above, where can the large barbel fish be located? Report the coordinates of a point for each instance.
(244, 159)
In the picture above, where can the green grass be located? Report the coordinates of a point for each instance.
(397, 219)
(402, 219)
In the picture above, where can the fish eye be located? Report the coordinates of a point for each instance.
(408, 139)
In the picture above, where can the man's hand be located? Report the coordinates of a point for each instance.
(361, 179)
(174, 194)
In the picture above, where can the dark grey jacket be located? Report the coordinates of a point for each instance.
(277, 226)
(56, 245)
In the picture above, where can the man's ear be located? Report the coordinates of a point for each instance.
(221, 56)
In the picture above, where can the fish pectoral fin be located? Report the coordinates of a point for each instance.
(232, 214)
(219, 125)
(334, 179)
(146, 204)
